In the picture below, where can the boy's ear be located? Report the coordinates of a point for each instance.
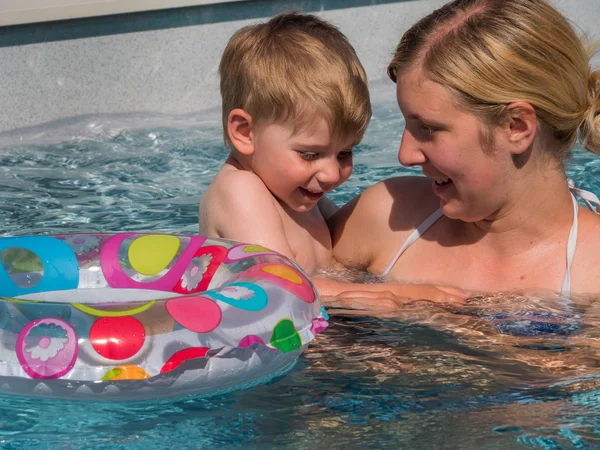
(522, 126)
(239, 130)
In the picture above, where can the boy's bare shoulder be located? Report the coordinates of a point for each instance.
(234, 194)
(234, 186)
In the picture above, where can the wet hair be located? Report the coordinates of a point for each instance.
(294, 69)
(490, 53)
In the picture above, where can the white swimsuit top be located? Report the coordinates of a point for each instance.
(588, 198)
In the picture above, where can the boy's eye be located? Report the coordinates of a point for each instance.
(308, 156)
(345, 154)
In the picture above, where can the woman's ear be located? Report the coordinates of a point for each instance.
(522, 126)
(239, 130)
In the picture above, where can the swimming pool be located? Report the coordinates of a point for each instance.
(503, 372)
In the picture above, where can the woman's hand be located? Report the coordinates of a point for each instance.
(396, 293)
(386, 303)
(434, 293)
(363, 303)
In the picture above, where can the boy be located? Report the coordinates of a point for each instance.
(295, 102)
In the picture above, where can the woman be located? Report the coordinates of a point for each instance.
(494, 93)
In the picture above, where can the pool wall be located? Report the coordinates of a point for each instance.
(165, 61)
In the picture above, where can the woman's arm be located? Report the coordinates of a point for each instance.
(327, 208)
(367, 232)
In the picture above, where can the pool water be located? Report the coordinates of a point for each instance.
(505, 371)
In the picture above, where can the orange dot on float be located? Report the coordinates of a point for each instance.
(129, 372)
(284, 273)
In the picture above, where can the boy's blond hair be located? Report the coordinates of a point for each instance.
(294, 69)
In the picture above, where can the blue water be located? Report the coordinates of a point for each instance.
(503, 372)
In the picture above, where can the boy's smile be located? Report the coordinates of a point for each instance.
(311, 196)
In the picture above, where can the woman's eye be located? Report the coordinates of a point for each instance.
(308, 156)
(428, 131)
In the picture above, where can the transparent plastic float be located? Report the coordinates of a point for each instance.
(139, 316)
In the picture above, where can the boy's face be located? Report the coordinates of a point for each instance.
(299, 169)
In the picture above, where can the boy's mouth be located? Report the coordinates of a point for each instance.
(311, 195)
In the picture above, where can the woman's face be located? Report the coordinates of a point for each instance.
(453, 148)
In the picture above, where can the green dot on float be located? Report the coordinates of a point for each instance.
(285, 337)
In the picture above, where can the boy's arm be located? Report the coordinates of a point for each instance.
(242, 209)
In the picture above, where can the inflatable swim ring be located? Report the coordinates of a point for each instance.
(138, 316)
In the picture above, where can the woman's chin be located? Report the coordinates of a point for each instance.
(456, 212)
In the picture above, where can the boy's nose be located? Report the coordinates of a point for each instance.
(410, 153)
(329, 172)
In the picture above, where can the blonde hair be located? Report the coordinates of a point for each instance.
(490, 53)
(294, 69)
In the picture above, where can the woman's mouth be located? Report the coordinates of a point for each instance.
(440, 184)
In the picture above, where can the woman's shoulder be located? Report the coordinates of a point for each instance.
(589, 230)
(407, 186)
(587, 255)
(405, 200)
(385, 213)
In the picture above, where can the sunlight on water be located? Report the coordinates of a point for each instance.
(504, 371)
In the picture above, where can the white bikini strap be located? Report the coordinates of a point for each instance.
(589, 199)
(586, 196)
(571, 246)
(414, 236)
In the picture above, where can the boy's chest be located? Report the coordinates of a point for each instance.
(309, 239)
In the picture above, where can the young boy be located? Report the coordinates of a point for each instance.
(295, 102)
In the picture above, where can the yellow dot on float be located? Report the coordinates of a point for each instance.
(150, 254)
(283, 272)
(255, 249)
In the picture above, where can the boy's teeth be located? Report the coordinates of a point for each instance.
(442, 180)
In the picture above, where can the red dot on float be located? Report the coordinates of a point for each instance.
(117, 338)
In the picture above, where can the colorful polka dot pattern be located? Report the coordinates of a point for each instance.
(224, 295)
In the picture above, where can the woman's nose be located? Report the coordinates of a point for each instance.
(410, 153)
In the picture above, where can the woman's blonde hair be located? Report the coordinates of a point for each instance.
(294, 69)
(490, 53)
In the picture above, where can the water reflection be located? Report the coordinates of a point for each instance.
(501, 371)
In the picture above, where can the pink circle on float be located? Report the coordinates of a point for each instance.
(198, 314)
(40, 360)
(247, 341)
